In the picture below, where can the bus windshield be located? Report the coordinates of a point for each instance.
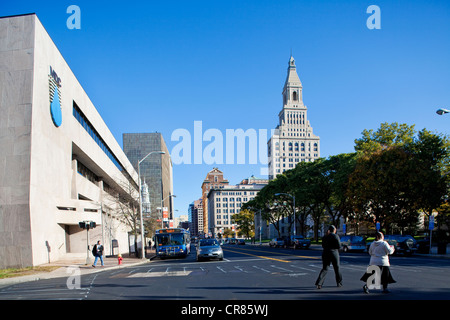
(170, 239)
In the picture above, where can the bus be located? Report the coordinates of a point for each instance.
(172, 242)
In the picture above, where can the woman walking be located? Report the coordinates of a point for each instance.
(379, 252)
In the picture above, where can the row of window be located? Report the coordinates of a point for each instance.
(85, 123)
(234, 193)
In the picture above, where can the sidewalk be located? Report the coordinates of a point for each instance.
(66, 268)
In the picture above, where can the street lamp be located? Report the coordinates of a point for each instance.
(293, 197)
(442, 111)
(140, 201)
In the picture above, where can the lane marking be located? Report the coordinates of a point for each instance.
(280, 253)
(254, 255)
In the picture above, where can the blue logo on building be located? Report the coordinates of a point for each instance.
(55, 98)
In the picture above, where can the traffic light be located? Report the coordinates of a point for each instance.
(87, 224)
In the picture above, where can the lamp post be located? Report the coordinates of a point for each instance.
(293, 197)
(140, 201)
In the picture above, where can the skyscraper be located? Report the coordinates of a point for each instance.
(293, 140)
(156, 170)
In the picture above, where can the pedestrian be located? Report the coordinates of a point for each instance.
(97, 251)
(379, 252)
(331, 244)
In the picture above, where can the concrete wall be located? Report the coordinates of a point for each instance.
(16, 80)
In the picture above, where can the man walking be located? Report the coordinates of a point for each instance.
(331, 244)
(97, 251)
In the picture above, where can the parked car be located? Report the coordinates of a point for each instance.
(241, 241)
(423, 246)
(276, 242)
(209, 249)
(403, 244)
(300, 242)
(353, 243)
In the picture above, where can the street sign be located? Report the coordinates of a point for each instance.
(431, 223)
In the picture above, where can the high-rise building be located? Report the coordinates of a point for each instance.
(195, 217)
(293, 140)
(155, 170)
(214, 179)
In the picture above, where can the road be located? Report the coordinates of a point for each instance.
(246, 273)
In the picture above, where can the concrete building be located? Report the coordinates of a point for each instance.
(293, 140)
(156, 170)
(225, 201)
(59, 162)
(214, 179)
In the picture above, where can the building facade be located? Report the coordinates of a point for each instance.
(293, 140)
(156, 170)
(226, 201)
(195, 217)
(214, 179)
(59, 162)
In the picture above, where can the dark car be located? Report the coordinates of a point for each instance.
(423, 246)
(403, 244)
(300, 242)
(241, 241)
(353, 243)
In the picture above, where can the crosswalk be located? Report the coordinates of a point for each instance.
(245, 267)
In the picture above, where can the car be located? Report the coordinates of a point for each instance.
(209, 249)
(353, 243)
(300, 242)
(403, 244)
(276, 242)
(423, 245)
(241, 241)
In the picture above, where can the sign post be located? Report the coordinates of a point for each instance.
(431, 227)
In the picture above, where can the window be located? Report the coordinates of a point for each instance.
(294, 96)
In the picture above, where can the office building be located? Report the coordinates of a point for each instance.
(156, 170)
(225, 201)
(214, 179)
(59, 162)
(195, 218)
(293, 140)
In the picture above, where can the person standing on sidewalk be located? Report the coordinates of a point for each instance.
(97, 251)
(331, 244)
(379, 252)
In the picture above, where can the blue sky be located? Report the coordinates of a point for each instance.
(159, 66)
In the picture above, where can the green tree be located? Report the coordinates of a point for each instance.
(245, 221)
(387, 135)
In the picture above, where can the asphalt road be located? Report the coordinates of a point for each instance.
(248, 273)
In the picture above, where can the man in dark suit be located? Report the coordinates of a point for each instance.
(331, 244)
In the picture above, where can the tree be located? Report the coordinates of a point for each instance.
(387, 135)
(125, 205)
(245, 222)
(398, 174)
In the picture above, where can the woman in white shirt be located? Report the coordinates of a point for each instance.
(379, 252)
